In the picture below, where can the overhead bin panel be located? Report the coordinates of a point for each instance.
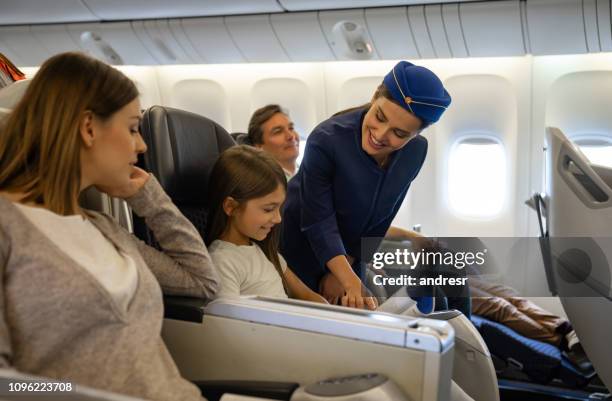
(301, 36)
(347, 33)
(437, 32)
(179, 35)
(416, 19)
(119, 36)
(604, 23)
(211, 39)
(493, 28)
(145, 9)
(254, 36)
(391, 33)
(590, 23)
(26, 49)
(44, 12)
(556, 27)
(160, 42)
(55, 38)
(454, 30)
(306, 5)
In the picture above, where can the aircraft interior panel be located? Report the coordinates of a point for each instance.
(348, 34)
(55, 38)
(209, 96)
(211, 39)
(453, 25)
(30, 51)
(385, 25)
(604, 25)
(36, 12)
(543, 20)
(503, 17)
(96, 39)
(422, 38)
(437, 30)
(137, 9)
(255, 38)
(294, 94)
(291, 30)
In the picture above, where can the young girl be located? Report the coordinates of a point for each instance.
(246, 192)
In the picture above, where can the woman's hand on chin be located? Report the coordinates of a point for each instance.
(138, 179)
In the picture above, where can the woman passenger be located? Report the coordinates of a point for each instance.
(81, 297)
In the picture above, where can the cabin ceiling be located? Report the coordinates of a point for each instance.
(19, 12)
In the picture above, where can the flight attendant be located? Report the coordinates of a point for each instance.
(356, 171)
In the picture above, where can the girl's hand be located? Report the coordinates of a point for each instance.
(138, 179)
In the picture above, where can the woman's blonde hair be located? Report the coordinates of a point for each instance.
(244, 173)
(40, 142)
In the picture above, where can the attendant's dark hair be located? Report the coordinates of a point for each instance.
(259, 118)
(244, 173)
(381, 91)
(40, 143)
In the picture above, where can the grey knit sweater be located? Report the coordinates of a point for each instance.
(58, 321)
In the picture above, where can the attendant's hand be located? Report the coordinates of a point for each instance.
(357, 296)
(137, 180)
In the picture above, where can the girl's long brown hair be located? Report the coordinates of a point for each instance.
(40, 142)
(244, 173)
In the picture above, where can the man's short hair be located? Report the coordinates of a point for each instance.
(259, 118)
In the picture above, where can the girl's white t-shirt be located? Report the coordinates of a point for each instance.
(78, 238)
(245, 270)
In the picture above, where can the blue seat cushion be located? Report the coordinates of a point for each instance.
(540, 361)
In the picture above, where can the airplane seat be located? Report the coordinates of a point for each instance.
(253, 339)
(576, 244)
(539, 361)
(182, 149)
(241, 138)
(473, 368)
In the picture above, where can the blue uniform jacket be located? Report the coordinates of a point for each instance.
(341, 195)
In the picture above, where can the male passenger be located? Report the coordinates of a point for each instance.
(272, 130)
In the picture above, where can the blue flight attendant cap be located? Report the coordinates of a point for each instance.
(418, 90)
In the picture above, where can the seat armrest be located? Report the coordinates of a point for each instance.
(213, 390)
(443, 315)
(184, 308)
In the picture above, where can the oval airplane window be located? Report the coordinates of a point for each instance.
(477, 177)
(597, 148)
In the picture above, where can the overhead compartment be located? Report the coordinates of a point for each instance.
(556, 27)
(146, 9)
(416, 18)
(211, 40)
(454, 30)
(306, 5)
(158, 39)
(23, 47)
(437, 32)
(254, 36)
(391, 33)
(179, 34)
(347, 33)
(604, 24)
(24, 12)
(119, 36)
(301, 36)
(55, 38)
(589, 9)
(493, 28)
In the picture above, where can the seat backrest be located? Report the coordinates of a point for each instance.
(241, 138)
(182, 149)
